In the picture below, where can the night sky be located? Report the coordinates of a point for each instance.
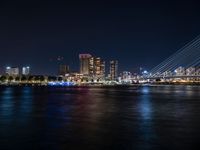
(136, 33)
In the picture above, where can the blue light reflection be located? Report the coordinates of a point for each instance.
(61, 83)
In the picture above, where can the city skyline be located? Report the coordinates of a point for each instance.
(48, 34)
(99, 74)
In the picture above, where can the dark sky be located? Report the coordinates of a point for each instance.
(136, 33)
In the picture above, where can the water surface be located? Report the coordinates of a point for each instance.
(119, 118)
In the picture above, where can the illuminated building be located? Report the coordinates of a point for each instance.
(125, 77)
(25, 71)
(180, 71)
(102, 69)
(113, 69)
(84, 63)
(63, 70)
(99, 68)
(93, 67)
(167, 73)
(96, 67)
(190, 71)
(12, 71)
(197, 72)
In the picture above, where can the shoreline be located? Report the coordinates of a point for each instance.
(98, 85)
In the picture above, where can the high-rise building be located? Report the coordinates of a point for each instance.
(91, 66)
(96, 67)
(102, 69)
(84, 63)
(25, 71)
(113, 69)
(63, 70)
(99, 68)
(12, 71)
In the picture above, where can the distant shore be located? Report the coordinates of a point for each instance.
(100, 85)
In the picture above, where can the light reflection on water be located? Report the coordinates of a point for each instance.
(7, 105)
(139, 117)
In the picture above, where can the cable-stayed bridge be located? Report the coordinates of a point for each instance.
(185, 63)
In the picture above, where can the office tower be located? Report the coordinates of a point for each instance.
(25, 71)
(96, 67)
(102, 69)
(63, 70)
(113, 69)
(12, 71)
(84, 63)
(91, 66)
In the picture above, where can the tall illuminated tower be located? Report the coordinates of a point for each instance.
(113, 69)
(84, 63)
(102, 69)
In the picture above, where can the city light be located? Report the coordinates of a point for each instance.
(61, 83)
(145, 72)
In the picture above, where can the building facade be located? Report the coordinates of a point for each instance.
(180, 71)
(84, 63)
(63, 70)
(25, 71)
(97, 67)
(191, 71)
(12, 71)
(93, 67)
(113, 70)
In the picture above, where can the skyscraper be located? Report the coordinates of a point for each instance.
(113, 69)
(96, 67)
(93, 67)
(103, 69)
(99, 67)
(84, 63)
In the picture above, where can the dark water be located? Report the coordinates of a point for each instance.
(146, 117)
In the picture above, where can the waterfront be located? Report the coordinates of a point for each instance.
(136, 117)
